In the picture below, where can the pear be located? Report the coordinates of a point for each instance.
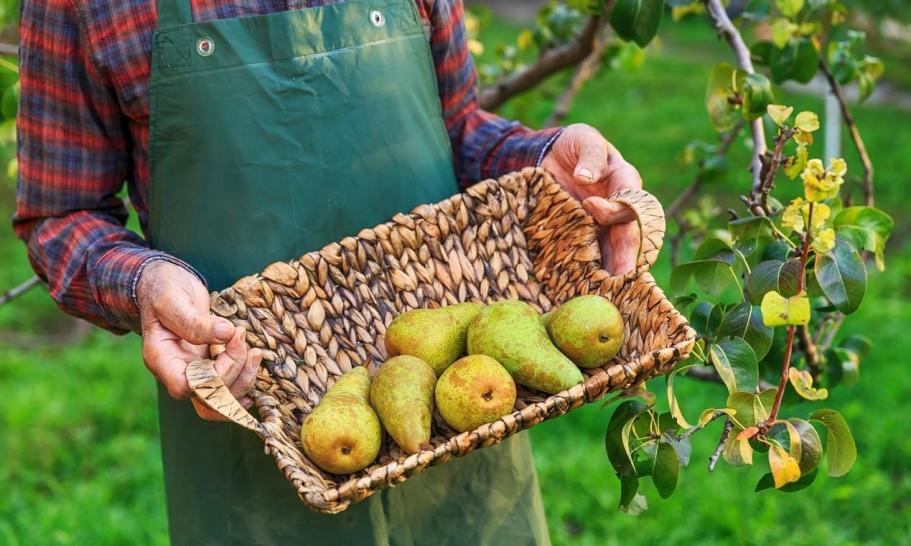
(511, 333)
(436, 336)
(475, 390)
(342, 434)
(587, 329)
(402, 394)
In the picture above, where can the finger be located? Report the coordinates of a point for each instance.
(191, 320)
(592, 162)
(620, 173)
(205, 412)
(247, 376)
(624, 240)
(606, 212)
(246, 402)
(230, 363)
(169, 367)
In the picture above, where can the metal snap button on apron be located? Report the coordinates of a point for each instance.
(377, 18)
(205, 46)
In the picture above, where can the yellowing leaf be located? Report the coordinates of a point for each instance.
(803, 138)
(784, 467)
(780, 311)
(526, 40)
(709, 414)
(821, 213)
(838, 166)
(475, 47)
(779, 113)
(807, 121)
(824, 241)
(792, 215)
(782, 30)
(737, 452)
(789, 8)
(802, 382)
(797, 162)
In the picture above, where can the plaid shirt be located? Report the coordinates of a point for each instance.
(84, 132)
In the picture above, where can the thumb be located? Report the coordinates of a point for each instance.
(193, 323)
(592, 162)
(606, 212)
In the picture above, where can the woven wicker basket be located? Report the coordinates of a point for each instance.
(519, 237)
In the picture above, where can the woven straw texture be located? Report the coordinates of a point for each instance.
(519, 237)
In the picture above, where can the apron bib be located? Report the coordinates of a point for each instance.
(271, 136)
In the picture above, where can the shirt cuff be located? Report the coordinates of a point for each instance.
(116, 276)
(522, 148)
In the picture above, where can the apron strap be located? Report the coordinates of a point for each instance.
(174, 12)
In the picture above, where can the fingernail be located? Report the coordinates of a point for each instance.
(585, 172)
(224, 329)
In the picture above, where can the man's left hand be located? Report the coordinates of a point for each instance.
(590, 168)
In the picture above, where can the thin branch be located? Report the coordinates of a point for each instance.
(809, 350)
(584, 72)
(729, 32)
(759, 201)
(694, 429)
(709, 375)
(690, 192)
(853, 130)
(9, 49)
(713, 460)
(549, 63)
(17, 291)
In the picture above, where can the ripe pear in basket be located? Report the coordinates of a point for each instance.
(521, 237)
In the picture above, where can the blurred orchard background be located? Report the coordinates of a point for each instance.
(79, 448)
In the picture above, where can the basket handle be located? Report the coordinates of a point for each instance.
(650, 217)
(209, 389)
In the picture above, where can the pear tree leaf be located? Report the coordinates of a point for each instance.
(779, 113)
(768, 482)
(616, 439)
(789, 8)
(784, 467)
(637, 20)
(735, 361)
(722, 112)
(629, 487)
(780, 311)
(802, 382)
(841, 452)
(780, 276)
(807, 121)
(737, 452)
(713, 276)
(709, 414)
(675, 410)
(842, 276)
(756, 93)
(745, 321)
(666, 470)
(867, 227)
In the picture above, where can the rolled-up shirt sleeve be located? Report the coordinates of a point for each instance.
(73, 160)
(484, 144)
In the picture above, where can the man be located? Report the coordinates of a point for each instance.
(250, 131)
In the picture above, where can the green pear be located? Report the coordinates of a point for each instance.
(342, 434)
(587, 329)
(402, 394)
(436, 336)
(475, 390)
(511, 333)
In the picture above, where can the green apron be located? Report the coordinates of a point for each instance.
(271, 136)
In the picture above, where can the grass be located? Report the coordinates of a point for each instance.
(78, 425)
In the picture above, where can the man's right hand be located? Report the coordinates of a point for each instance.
(177, 328)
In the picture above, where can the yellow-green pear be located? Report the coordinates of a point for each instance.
(436, 336)
(511, 333)
(475, 390)
(342, 434)
(402, 395)
(587, 329)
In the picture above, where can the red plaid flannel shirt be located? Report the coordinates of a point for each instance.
(84, 133)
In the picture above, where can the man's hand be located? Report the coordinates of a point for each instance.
(590, 169)
(177, 328)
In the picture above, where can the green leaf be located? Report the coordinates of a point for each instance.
(767, 482)
(751, 234)
(713, 276)
(745, 321)
(874, 225)
(861, 345)
(756, 92)
(782, 31)
(780, 311)
(737, 452)
(629, 486)
(798, 61)
(782, 277)
(802, 382)
(637, 20)
(840, 449)
(842, 276)
(789, 8)
(736, 363)
(751, 409)
(722, 113)
(616, 439)
(699, 319)
(810, 445)
(666, 470)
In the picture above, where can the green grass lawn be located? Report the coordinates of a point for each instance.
(78, 427)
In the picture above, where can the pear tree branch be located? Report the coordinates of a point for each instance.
(17, 291)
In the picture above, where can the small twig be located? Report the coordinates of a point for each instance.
(809, 350)
(690, 192)
(713, 460)
(17, 291)
(9, 49)
(709, 375)
(801, 285)
(694, 429)
(549, 63)
(729, 32)
(584, 72)
(853, 130)
(833, 331)
(761, 198)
